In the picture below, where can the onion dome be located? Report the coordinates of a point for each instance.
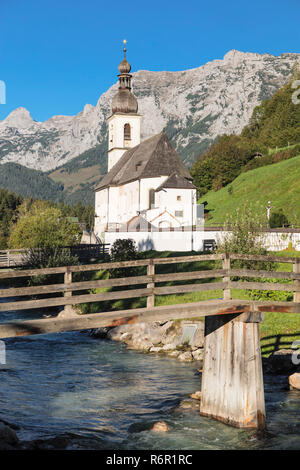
(124, 102)
(124, 66)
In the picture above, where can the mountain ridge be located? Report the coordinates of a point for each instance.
(193, 106)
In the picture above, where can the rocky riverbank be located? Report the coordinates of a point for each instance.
(183, 340)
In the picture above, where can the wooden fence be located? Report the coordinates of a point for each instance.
(148, 285)
(85, 253)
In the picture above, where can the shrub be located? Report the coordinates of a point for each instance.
(245, 236)
(123, 250)
(278, 219)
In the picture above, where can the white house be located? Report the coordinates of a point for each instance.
(147, 186)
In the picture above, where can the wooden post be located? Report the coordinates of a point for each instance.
(232, 379)
(226, 265)
(150, 272)
(68, 310)
(296, 269)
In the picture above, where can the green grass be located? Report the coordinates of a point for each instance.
(278, 183)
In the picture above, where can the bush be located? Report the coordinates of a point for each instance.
(123, 250)
(48, 257)
(245, 236)
(278, 219)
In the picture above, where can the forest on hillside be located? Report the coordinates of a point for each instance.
(272, 135)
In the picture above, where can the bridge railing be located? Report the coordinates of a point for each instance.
(152, 284)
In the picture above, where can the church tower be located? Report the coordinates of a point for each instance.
(124, 125)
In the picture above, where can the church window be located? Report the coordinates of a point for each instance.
(178, 213)
(151, 198)
(127, 132)
(178, 198)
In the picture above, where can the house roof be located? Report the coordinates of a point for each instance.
(151, 158)
(176, 181)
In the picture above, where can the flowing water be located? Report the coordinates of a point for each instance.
(70, 383)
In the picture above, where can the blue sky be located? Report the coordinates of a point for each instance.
(56, 56)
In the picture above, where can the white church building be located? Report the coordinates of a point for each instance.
(147, 193)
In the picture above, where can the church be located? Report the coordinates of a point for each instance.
(147, 187)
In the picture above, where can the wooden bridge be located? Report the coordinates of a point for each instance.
(232, 380)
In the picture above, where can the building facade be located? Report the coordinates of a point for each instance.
(147, 185)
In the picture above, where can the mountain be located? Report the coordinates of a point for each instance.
(194, 107)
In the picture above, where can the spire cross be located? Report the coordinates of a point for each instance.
(124, 49)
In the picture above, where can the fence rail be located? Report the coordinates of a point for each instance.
(149, 285)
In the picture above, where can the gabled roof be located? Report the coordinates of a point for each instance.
(176, 181)
(151, 158)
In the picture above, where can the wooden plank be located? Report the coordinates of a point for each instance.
(180, 289)
(226, 279)
(280, 259)
(262, 286)
(75, 286)
(188, 259)
(185, 276)
(151, 272)
(76, 299)
(296, 269)
(68, 293)
(264, 274)
(31, 272)
(115, 318)
(160, 313)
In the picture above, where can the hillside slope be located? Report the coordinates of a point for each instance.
(278, 183)
(29, 183)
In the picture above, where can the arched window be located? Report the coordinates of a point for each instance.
(151, 198)
(127, 132)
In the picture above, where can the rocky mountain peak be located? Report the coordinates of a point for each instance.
(18, 118)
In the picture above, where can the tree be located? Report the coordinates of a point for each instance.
(123, 250)
(278, 219)
(43, 226)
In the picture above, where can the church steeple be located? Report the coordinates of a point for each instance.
(124, 101)
(124, 123)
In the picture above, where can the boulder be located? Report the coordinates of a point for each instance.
(160, 426)
(185, 356)
(156, 349)
(196, 395)
(188, 404)
(198, 354)
(173, 353)
(294, 381)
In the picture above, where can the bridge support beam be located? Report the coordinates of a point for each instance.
(232, 379)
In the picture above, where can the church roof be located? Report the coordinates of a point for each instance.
(176, 181)
(152, 158)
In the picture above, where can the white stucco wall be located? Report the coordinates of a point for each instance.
(119, 204)
(188, 241)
